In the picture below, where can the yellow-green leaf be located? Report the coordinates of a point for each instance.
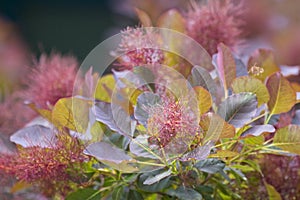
(273, 194)
(72, 113)
(282, 95)
(224, 154)
(105, 87)
(288, 139)
(204, 99)
(251, 84)
(258, 140)
(215, 127)
(262, 64)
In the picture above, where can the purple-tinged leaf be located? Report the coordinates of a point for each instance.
(200, 153)
(103, 151)
(36, 135)
(201, 77)
(238, 109)
(144, 103)
(115, 118)
(258, 130)
(136, 149)
(296, 119)
(226, 65)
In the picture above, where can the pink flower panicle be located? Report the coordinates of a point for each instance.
(215, 22)
(172, 126)
(52, 78)
(51, 169)
(139, 47)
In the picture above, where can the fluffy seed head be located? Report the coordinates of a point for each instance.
(215, 22)
(52, 78)
(172, 126)
(139, 47)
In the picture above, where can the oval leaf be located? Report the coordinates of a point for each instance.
(204, 99)
(226, 65)
(258, 130)
(184, 193)
(86, 193)
(115, 118)
(215, 127)
(144, 102)
(238, 109)
(201, 77)
(200, 153)
(154, 179)
(210, 165)
(105, 87)
(72, 113)
(288, 139)
(253, 85)
(34, 136)
(282, 95)
(106, 152)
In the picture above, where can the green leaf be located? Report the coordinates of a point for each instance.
(288, 139)
(273, 194)
(226, 65)
(204, 99)
(156, 187)
(134, 195)
(210, 165)
(145, 101)
(201, 77)
(86, 194)
(238, 109)
(258, 130)
(215, 127)
(282, 95)
(119, 193)
(34, 136)
(253, 85)
(154, 179)
(184, 193)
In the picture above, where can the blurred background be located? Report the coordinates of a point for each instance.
(75, 26)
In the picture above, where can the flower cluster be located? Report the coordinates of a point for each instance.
(51, 168)
(52, 78)
(172, 126)
(139, 47)
(215, 22)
